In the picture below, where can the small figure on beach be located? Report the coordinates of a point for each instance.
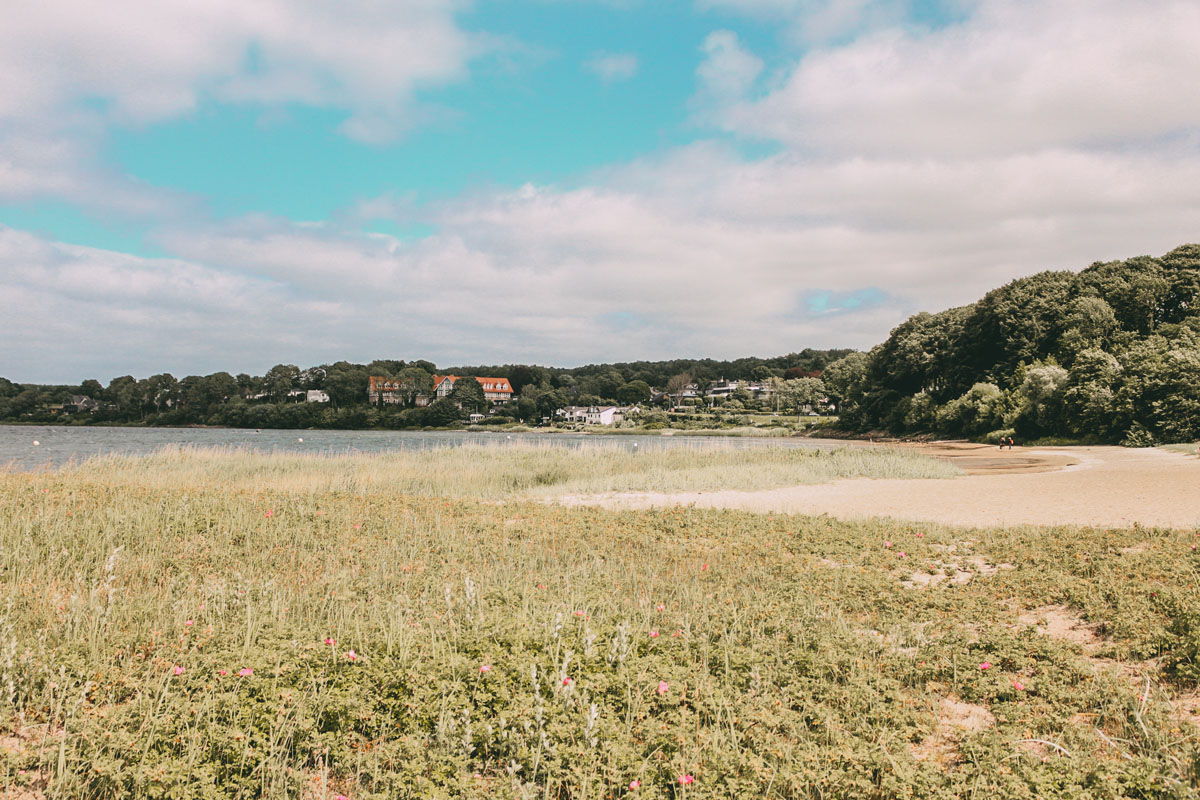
(1010, 443)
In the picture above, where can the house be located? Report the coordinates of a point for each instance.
(722, 389)
(308, 396)
(386, 391)
(80, 402)
(496, 391)
(590, 415)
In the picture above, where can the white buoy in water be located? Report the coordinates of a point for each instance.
(36, 443)
(301, 439)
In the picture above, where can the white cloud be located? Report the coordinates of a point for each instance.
(1012, 78)
(728, 69)
(819, 21)
(144, 61)
(610, 67)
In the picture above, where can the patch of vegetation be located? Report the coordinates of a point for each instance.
(514, 469)
(288, 637)
(1109, 354)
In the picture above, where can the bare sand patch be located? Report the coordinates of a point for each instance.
(1094, 486)
(1060, 622)
(954, 718)
(954, 572)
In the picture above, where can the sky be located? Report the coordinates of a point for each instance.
(226, 185)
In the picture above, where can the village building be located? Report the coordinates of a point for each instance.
(80, 402)
(590, 415)
(390, 391)
(496, 391)
(309, 395)
(386, 391)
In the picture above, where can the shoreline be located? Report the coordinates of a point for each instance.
(1094, 486)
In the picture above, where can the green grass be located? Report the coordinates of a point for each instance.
(506, 471)
(1190, 449)
(797, 664)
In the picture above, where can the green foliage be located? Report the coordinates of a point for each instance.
(1111, 353)
(796, 662)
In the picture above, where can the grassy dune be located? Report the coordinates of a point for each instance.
(163, 633)
(506, 471)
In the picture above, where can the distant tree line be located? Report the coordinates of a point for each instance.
(1109, 354)
(277, 398)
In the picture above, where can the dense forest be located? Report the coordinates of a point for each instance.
(1108, 354)
(277, 399)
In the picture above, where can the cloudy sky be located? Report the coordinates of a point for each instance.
(231, 184)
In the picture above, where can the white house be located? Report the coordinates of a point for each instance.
(591, 415)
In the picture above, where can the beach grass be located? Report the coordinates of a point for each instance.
(511, 470)
(232, 626)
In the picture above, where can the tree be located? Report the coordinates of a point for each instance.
(800, 392)
(123, 393)
(415, 382)
(468, 393)
(345, 383)
(281, 379)
(677, 384)
(634, 392)
(91, 388)
(443, 412)
(162, 391)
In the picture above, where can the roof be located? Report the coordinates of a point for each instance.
(488, 384)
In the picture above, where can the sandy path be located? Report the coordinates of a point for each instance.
(1096, 486)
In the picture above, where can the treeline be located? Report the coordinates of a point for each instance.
(277, 399)
(1109, 354)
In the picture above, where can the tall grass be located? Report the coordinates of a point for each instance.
(498, 471)
(795, 664)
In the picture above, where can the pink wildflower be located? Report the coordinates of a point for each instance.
(985, 665)
(341, 797)
(178, 669)
(188, 623)
(270, 513)
(887, 544)
(357, 527)
(662, 687)
(678, 632)
(660, 607)
(353, 656)
(684, 780)
(703, 567)
(329, 640)
(579, 613)
(1020, 687)
(653, 634)
(633, 784)
(246, 672)
(566, 681)
(485, 667)
(920, 536)
(903, 554)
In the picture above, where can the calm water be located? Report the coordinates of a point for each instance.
(27, 447)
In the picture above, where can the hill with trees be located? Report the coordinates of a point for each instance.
(276, 398)
(1107, 354)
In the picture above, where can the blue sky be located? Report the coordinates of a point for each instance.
(230, 186)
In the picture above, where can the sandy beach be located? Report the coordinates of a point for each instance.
(1093, 486)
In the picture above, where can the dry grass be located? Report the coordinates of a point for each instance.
(133, 593)
(507, 471)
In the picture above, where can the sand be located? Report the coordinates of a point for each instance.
(1093, 486)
